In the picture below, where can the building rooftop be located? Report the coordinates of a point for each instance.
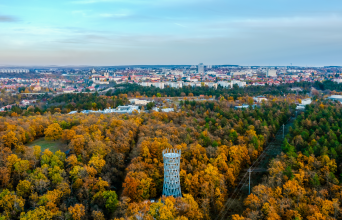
(335, 97)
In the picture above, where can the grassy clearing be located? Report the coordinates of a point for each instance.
(51, 145)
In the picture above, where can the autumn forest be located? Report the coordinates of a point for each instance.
(112, 166)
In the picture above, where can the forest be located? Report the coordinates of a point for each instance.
(63, 103)
(85, 101)
(328, 85)
(204, 90)
(114, 167)
(305, 181)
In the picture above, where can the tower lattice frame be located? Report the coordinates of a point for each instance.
(171, 186)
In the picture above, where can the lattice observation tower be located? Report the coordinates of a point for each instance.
(171, 185)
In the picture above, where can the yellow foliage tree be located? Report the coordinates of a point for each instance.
(22, 166)
(53, 132)
(78, 143)
(24, 188)
(97, 162)
(77, 212)
(10, 139)
(38, 213)
(11, 203)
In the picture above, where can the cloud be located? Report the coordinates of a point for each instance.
(4, 18)
(180, 25)
(79, 12)
(93, 1)
(278, 22)
(107, 15)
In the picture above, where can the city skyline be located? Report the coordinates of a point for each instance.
(165, 32)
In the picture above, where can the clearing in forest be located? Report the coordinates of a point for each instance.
(53, 146)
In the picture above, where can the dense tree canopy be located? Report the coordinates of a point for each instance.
(303, 183)
(134, 89)
(115, 165)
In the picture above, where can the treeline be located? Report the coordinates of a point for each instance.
(137, 90)
(115, 166)
(86, 101)
(6, 98)
(317, 132)
(67, 102)
(303, 183)
(328, 85)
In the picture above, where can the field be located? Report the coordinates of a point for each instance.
(51, 145)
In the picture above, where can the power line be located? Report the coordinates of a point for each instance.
(243, 181)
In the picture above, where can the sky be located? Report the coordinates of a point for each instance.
(162, 32)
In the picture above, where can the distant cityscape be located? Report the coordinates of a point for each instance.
(37, 82)
(69, 80)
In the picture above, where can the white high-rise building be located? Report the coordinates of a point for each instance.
(270, 73)
(200, 68)
(14, 71)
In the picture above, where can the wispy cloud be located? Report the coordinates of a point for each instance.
(180, 25)
(4, 18)
(79, 12)
(93, 1)
(130, 2)
(108, 15)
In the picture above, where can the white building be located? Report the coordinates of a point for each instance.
(303, 104)
(259, 99)
(211, 84)
(271, 73)
(148, 84)
(139, 102)
(125, 109)
(159, 85)
(14, 70)
(224, 84)
(174, 84)
(68, 90)
(192, 84)
(129, 109)
(163, 109)
(306, 101)
(238, 73)
(241, 106)
(200, 68)
(98, 79)
(238, 82)
(336, 98)
(337, 80)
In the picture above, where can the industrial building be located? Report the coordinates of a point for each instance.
(335, 98)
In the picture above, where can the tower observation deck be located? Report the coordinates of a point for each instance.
(171, 185)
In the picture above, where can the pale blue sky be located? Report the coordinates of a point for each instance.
(125, 32)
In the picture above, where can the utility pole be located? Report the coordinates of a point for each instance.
(249, 190)
(283, 130)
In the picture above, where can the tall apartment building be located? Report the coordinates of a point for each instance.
(270, 73)
(14, 70)
(200, 68)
